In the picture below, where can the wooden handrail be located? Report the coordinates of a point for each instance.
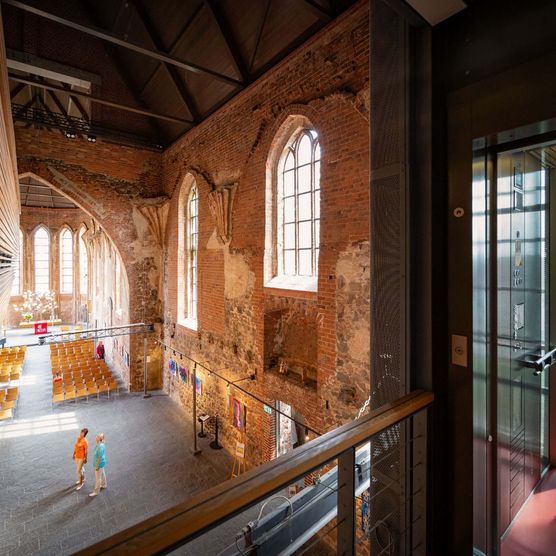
(207, 509)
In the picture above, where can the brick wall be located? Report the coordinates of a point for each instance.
(326, 83)
(116, 186)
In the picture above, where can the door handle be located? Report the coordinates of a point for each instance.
(541, 362)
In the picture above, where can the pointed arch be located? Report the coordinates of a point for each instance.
(292, 231)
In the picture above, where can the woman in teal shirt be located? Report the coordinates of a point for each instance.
(99, 462)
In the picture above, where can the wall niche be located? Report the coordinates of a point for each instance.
(290, 345)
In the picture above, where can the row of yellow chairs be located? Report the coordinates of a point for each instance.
(13, 350)
(9, 374)
(8, 402)
(69, 348)
(83, 391)
(79, 375)
(78, 367)
(11, 367)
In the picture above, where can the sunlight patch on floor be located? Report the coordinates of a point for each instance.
(40, 425)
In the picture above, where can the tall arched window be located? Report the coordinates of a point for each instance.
(83, 264)
(18, 267)
(42, 260)
(192, 221)
(66, 261)
(298, 206)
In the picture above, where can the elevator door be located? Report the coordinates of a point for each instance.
(522, 325)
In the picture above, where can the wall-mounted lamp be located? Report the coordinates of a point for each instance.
(252, 376)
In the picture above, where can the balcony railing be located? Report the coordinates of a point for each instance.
(359, 489)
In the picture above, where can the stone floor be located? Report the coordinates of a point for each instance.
(149, 465)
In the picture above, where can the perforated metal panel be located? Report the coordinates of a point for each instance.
(390, 459)
(388, 159)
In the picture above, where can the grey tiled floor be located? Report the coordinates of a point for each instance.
(149, 465)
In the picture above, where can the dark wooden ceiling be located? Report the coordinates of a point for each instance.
(154, 68)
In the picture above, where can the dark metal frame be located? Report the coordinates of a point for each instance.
(97, 333)
(520, 113)
(71, 124)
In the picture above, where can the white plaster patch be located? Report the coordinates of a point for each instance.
(213, 242)
(239, 279)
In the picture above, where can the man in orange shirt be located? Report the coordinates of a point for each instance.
(80, 457)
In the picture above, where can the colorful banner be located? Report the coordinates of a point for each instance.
(172, 366)
(182, 371)
(237, 412)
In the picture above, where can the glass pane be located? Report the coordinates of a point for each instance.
(66, 263)
(316, 167)
(42, 261)
(304, 179)
(317, 232)
(304, 239)
(289, 262)
(83, 265)
(317, 151)
(289, 209)
(289, 236)
(289, 184)
(304, 206)
(305, 265)
(289, 164)
(316, 198)
(304, 152)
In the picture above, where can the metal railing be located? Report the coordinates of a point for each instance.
(97, 333)
(358, 489)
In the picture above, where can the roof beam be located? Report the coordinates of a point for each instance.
(27, 105)
(98, 100)
(320, 11)
(227, 34)
(175, 77)
(60, 107)
(262, 24)
(75, 101)
(122, 69)
(16, 90)
(111, 38)
(177, 40)
(43, 104)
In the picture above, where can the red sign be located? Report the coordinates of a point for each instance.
(41, 328)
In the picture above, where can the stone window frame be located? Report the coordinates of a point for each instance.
(289, 132)
(63, 230)
(185, 283)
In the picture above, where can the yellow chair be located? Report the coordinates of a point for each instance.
(6, 414)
